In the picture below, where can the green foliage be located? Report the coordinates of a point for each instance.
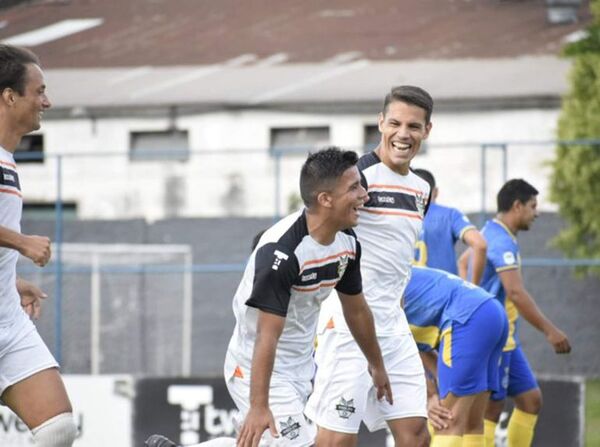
(575, 181)
(592, 413)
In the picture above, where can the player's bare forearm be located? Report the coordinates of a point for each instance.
(529, 310)
(463, 264)
(478, 246)
(36, 248)
(10, 238)
(429, 360)
(360, 322)
(268, 331)
(437, 413)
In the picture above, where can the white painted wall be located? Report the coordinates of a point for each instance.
(233, 147)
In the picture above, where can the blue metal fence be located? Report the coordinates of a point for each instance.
(58, 269)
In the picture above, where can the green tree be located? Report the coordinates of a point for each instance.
(575, 180)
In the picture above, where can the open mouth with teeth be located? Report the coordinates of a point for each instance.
(401, 146)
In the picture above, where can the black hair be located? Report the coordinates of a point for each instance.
(410, 94)
(13, 67)
(515, 189)
(321, 170)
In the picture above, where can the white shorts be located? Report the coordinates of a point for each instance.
(23, 353)
(286, 401)
(344, 394)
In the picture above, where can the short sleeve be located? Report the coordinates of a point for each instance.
(275, 270)
(460, 224)
(351, 281)
(504, 256)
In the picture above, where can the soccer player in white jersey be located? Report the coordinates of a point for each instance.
(388, 227)
(30, 383)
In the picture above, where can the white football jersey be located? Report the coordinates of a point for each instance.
(388, 229)
(11, 206)
(290, 274)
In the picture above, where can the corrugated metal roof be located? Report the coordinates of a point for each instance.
(354, 82)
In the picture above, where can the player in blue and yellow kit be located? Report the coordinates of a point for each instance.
(443, 227)
(468, 328)
(517, 209)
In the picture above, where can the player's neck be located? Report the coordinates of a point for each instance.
(9, 140)
(509, 222)
(319, 228)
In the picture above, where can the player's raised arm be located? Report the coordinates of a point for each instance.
(260, 418)
(360, 322)
(527, 307)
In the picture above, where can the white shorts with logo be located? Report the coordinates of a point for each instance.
(344, 394)
(23, 353)
(286, 401)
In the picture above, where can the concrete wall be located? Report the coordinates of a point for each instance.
(231, 171)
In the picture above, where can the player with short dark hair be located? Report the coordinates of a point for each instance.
(296, 264)
(517, 209)
(388, 228)
(30, 384)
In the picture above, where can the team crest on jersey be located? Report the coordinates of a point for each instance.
(509, 257)
(345, 408)
(289, 429)
(421, 202)
(342, 265)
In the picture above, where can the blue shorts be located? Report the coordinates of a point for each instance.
(515, 374)
(469, 353)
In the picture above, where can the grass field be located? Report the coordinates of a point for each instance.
(592, 413)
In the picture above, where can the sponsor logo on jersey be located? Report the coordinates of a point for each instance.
(345, 408)
(279, 256)
(342, 265)
(9, 177)
(386, 199)
(309, 276)
(290, 429)
(509, 257)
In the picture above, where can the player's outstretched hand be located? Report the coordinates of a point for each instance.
(559, 341)
(257, 421)
(382, 383)
(438, 414)
(31, 298)
(36, 248)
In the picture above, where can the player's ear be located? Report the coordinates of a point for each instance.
(380, 121)
(8, 96)
(517, 205)
(428, 127)
(324, 199)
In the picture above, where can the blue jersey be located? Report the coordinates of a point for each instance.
(442, 227)
(434, 299)
(502, 254)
